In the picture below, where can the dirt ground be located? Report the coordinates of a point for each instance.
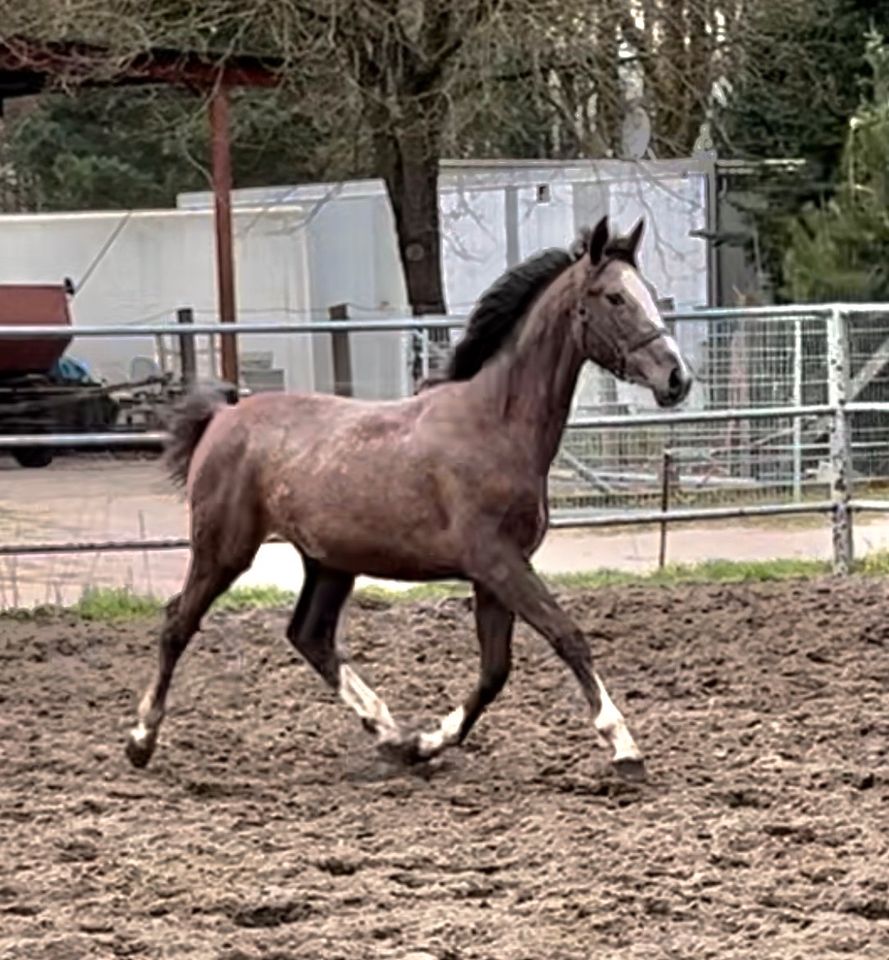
(266, 829)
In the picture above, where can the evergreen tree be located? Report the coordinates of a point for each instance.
(840, 249)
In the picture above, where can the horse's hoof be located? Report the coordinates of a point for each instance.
(631, 769)
(139, 749)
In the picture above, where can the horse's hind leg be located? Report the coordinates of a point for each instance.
(313, 632)
(494, 624)
(208, 577)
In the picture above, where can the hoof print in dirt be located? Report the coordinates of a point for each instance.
(270, 914)
(630, 770)
(405, 752)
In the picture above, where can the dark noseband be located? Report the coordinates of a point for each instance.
(624, 355)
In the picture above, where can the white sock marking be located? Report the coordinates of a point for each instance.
(447, 734)
(611, 724)
(139, 733)
(359, 696)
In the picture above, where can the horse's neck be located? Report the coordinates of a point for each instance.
(532, 383)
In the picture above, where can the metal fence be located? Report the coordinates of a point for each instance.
(790, 405)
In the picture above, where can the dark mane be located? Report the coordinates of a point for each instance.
(501, 308)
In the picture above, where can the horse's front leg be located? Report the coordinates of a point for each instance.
(509, 577)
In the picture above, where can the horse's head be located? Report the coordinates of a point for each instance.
(617, 324)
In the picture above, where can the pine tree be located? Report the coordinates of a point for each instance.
(840, 251)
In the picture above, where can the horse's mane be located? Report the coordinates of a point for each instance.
(502, 307)
(505, 304)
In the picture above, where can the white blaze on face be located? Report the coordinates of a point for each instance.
(639, 292)
(636, 290)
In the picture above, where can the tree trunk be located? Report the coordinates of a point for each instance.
(410, 170)
(412, 183)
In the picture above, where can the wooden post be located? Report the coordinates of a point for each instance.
(187, 356)
(222, 184)
(342, 354)
(665, 504)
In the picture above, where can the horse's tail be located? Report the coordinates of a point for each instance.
(186, 426)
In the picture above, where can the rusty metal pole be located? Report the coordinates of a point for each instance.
(188, 364)
(225, 261)
(342, 354)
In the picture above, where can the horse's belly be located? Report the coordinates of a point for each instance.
(393, 545)
(385, 559)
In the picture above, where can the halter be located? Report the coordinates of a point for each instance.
(625, 354)
(622, 354)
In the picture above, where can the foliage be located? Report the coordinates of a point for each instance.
(840, 249)
(802, 72)
(132, 148)
(387, 87)
(481, 78)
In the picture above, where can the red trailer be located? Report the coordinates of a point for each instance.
(31, 306)
(35, 396)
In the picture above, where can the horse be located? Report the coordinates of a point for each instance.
(449, 483)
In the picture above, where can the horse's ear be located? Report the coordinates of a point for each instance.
(635, 236)
(599, 240)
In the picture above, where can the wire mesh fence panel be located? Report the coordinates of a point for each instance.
(740, 362)
(868, 337)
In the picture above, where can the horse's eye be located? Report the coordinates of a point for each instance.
(614, 298)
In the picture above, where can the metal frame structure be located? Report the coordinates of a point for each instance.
(29, 67)
(840, 506)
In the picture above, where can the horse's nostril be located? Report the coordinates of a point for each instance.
(676, 383)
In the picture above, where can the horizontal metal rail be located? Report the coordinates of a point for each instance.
(641, 517)
(150, 439)
(430, 322)
(870, 506)
(626, 422)
(394, 324)
(235, 329)
(557, 522)
(701, 416)
(91, 546)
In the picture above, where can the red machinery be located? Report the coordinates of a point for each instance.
(35, 395)
(31, 306)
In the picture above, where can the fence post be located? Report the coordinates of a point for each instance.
(797, 402)
(665, 506)
(342, 354)
(187, 355)
(840, 441)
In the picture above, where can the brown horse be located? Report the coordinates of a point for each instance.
(448, 484)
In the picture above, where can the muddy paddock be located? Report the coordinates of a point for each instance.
(266, 829)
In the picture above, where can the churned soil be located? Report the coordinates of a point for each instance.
(265, 826)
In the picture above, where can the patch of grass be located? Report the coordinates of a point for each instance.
(422, 591)
(875, 564)
(254, 598)
(708, 571)
(109, 604)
